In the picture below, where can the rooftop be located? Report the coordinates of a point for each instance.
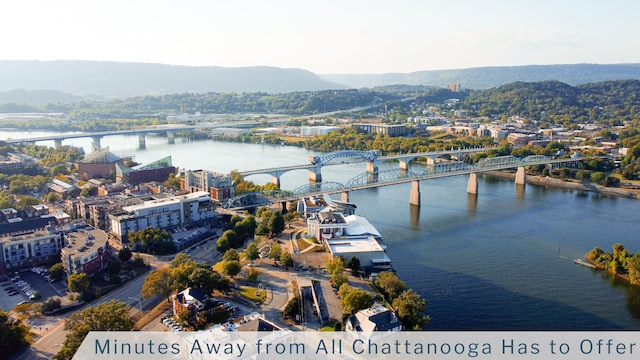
(102, 156)
(84, 240)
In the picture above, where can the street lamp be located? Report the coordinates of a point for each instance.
(139, 304)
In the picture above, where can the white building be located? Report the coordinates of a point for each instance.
(376, 318)
(178, 211)
(349, 236)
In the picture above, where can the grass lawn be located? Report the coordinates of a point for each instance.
(253, 294)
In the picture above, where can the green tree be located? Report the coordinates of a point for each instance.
(78, 282)
(172, 182)
(52, 198)
(203, 278)
(251, 252)
(231, 268)
(252, 274)
(354, 264)
(354, 299)
(231, 238)
(108, 316)
(286, 259)
(231, 254)
(158, 282)
(51, 304)
(153, 239)
(222, 245)
(275, 252)
(57, 271)
(275, 223)
(335, 269)
(14, 335)
(125, 254)
(411, 310)
(390, 285)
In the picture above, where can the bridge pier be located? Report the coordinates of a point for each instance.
(521, 177)
(414, 198)
(171, 137)
(315, 175)
(142, 141)
(372, 166)
(431, 160)
(472, 184)
(344, 196)
(275, 180)
(403, 165)
(95, 144)
(57, 144)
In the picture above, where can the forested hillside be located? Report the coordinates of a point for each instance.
(557, 103)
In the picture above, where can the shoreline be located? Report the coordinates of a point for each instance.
(559, 183)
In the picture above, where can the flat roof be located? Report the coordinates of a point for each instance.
(166, 201)
(352, 244)
(77, 244)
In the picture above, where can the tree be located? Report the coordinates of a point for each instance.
(78, 282)
(251, 252)
(411, 310)
(124, 254)
(390, 285)
(14, 335)
(354, 264)
(222, 245)
(231, 268)
(203, 278)
(275, 252)
(51, 304)
(286, 259)
(335, 269)
(153, 239)
(354, 299)
(108, 316)
(231, 254)
(52, 198)
(275, 223)
(172, 182)
(252, 274)
(158, 282)
(231, 238)
(56, 271)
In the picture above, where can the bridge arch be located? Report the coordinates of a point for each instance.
(345, 157)
(500, 161)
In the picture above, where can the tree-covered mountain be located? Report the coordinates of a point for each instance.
(489, 77)
(120, 79)
(555, 102)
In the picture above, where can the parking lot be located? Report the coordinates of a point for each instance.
(8, 302)
(16, 289)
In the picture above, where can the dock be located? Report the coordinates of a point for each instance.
(584, 263)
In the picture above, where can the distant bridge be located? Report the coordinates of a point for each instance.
(398, 176)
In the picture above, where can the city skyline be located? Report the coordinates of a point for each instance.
(330, 37)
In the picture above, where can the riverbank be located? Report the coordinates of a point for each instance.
(566, 184)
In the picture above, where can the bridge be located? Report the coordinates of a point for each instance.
(437, 170)
(170, 130)
(371, 157)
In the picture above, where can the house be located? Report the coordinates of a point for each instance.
(376, 318)
(189, 300)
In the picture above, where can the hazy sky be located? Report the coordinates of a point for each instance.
(324, 36)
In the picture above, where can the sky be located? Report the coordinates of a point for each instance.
(324, 36)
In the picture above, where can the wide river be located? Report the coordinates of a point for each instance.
(502, 260)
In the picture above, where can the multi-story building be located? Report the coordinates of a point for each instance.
(28, 238)
(156, 171)
(86, 251)
(173, 212)
(219, 186)
(391, 130)
(101, 163)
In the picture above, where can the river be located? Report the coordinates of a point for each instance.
(500, 261)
